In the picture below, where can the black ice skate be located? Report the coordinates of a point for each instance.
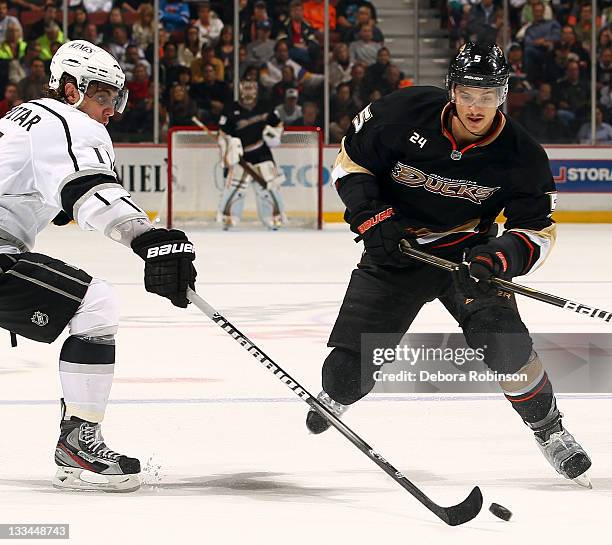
(86, 463)
(315, 422)
(563, 452)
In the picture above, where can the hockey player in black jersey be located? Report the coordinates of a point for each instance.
(437, 167)
(248, 130)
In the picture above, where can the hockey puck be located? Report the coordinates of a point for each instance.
(500, 511)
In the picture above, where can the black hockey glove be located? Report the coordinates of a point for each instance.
(482, 262)
(381, 231)
(169, 269)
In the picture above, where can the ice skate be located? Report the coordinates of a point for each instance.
(315, 422)
(564, 453)
(86, 463)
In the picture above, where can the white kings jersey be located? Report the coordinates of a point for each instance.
(53, 158)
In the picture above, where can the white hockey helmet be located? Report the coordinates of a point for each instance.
(87, 62)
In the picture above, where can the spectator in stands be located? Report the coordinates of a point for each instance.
(115, 19)
(338, 128)
(33, 86)
(181, 107)
(533, 109)
(605, 98)
(143, 31)
(249, 25)
(364, 18)
(10, 100)
(359, 90)
(208, 25)
(342, 102)
(119, 42)
(32, 52)
(539, 41)
(191, 49)
(346, 13)
(92, 34)
(555, 65)
(169, 65)
(365, 49)
(174, 15)
(210, 95)
(271, 73)
(518, 77)
(76, 30)
(604, 68)
(548, 127)
(570, 42)
(290, 111)
(261, 50)
(225, 52)
(13, 47)
(138, 85)
(313, 14)
(134, 56)
(482, 24)
(49, 16)
(199, 64)
(288, 82)
(340, 65)
(603, 131)
(6, 19)
(527, 12)
(605, 38)
(376, 71)
(391, 81)
(572, 95)
(94, 6)
(301, 37)
(52, 34)
(582, 27)
(310, 116)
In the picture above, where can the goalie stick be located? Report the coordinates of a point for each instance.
(453, 515)
(592, 312)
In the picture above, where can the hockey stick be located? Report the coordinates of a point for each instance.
(573, 306)
(453, 515)
(247, 168)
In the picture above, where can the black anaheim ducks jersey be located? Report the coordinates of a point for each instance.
(248, 125)
(399, 151)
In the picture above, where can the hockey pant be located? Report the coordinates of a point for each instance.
(386, 300)
(270, 208)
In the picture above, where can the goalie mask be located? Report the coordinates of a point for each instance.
(480, 65)
(248, 93)
(88, 63)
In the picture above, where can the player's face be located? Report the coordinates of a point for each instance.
(476, 108)
(99, 104)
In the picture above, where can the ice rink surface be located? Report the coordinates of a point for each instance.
(227, 459)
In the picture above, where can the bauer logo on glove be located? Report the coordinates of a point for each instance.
(165, 249)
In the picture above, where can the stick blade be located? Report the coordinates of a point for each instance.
(464, 511)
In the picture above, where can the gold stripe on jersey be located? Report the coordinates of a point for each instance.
(344, 165)
(544, 238)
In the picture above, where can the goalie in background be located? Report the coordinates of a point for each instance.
(247, 131)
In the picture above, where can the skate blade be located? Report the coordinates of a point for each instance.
(583, 480)
(72, 478)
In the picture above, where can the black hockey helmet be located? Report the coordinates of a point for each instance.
(479, 65)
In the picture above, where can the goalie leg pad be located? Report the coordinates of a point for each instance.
(271, 174)
(343, 377)
(233, 197)
(87, 358)
(270, 207)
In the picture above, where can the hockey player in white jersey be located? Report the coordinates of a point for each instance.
(247, 131)
(58, 162)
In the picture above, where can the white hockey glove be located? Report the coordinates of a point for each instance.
(272, 135)
(231, 150)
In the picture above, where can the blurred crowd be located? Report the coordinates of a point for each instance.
(550, 54)
(280, 48)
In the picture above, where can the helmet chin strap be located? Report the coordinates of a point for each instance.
(80, 101)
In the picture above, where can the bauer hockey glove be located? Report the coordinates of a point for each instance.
(381, 231)
(169, 269)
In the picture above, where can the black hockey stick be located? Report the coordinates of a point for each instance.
(592, 312)
(453, 515)
(246, 167)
